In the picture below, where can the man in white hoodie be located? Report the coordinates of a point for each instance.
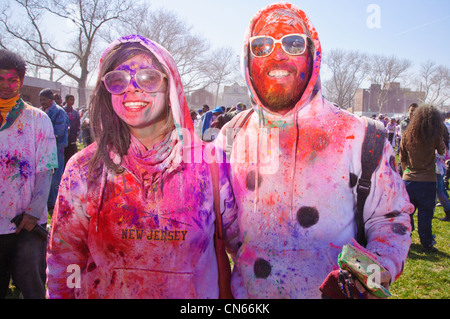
(298, 198)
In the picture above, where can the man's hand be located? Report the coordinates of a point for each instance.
(28, 223)
(340, 284)
(385, 281)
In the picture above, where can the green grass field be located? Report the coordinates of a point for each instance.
(426, 275)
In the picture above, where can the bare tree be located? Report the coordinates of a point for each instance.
(173, 33)
(348, 71)
(220, 68)
(435, 82)
(73, 58)
(385, 70)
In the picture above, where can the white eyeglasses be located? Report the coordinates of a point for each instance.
(293, 44)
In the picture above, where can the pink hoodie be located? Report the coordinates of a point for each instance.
(294, 183)
(145, 233)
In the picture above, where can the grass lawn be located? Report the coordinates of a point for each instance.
(426, 275)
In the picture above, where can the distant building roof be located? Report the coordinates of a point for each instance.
(41, 83)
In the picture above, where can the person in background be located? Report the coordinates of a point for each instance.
(382, 118)
(60, 122)
(398, 137)
(420, 141)
(58, 100)
(85, 127)
(404, 124)
(442, 194)
(27, 159)
(447, 162)
(219, 122)
(208, 132)
(74, 128)
(391, 129)
(441, 171)
(205, 109)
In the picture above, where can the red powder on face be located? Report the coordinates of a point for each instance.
(280, 93)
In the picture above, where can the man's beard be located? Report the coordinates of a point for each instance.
(281, 100)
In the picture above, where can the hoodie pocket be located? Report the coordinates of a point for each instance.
(279, 274)
(132, 283)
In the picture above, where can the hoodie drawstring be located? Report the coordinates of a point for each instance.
(258, 139)
(295, 163)
(262, 124)
(99, 202)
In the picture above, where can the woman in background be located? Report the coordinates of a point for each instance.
(420, 141)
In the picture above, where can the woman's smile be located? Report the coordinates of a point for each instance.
(135, 105)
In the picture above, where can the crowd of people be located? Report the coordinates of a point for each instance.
(396, 128)
(151, 206)
(208, 123)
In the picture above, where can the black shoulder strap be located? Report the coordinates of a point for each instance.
(372, 150)
(236, 123)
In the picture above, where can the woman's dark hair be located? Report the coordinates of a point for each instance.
(426, 126)
(12, 61)
(110, 132)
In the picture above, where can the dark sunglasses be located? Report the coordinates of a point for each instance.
(149, 80)
(293, 44)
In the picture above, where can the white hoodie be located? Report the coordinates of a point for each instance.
(297, 194)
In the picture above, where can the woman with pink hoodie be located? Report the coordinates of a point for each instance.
(135, 214)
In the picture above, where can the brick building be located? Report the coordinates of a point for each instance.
(233, 94)
(396, 100)
(200, 97)
(32, 86)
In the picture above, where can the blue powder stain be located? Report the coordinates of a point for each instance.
(23, 168)
(302, 75)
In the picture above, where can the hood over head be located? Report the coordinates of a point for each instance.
(289, 14)
(171, 154)
(178, 104)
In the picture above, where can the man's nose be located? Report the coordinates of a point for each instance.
(278, 53)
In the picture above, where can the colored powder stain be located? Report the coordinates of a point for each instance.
(302, 75)
(380, 240)
(335, 246)
(351, 137)
(23, 167)
(314, 141)
(63, 242)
